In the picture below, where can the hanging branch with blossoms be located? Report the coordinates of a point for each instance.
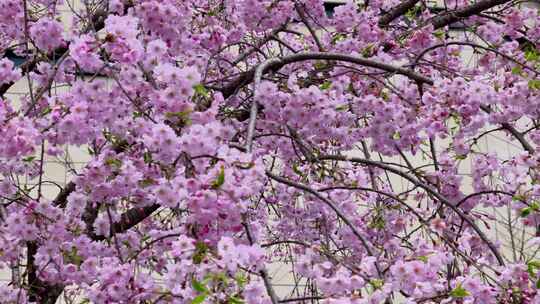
(236, 147)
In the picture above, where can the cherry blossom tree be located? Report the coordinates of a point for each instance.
(229, 136)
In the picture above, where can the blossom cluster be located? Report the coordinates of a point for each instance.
(358, 150)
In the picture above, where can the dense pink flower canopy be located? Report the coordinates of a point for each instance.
(228, 137)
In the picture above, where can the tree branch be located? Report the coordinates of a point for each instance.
(277, 63)
(61, 199)
(129, 219)
(260, 43)
(427, 188)
(302, 15)
(517, 135)
(396, 12)
(330, 204)
(263, 272)
(473, 45)
(464, 12)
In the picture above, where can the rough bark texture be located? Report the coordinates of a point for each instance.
(471, 10)
(396, 12)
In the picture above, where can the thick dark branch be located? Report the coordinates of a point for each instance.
(275, 64)
(61, 199)
(89, 216)
(39, 291)
(129, 219)
(464, 12)
(396, 12)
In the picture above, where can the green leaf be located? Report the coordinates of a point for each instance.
(532, 266)
(377, 283)
(517, 70)
(113, 162)
(533, 207)
(296, 170)
(439, 34)
(199, 299)
(46, 111)
(338, 37)
(200, 252)
(459, 292)
(198, 286)
(384, 95)
(235, 300)
(460, 157)
(90, 151)
(201, 90)
(244, 166)
(412, 12)
(326, 85)
(119, 143)
(538, 284)
(221, 277)
(525, 212)
(531, 54)
(241, 280)
(147, 157)
(519, 197)
(72, 256)
(377, 223)
(220, 180)
(368, 51)
(423, 258)
(28, 159)
(319, 65)
(342, 108)
(534, 263)
(147, 182)
(534, 84)
(183, 116)
(530, 270)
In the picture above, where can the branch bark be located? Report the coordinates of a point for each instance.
(396, 12)
(275, 64)
(61, 199)
(39, 291)
(129, 219)
(461, 13)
